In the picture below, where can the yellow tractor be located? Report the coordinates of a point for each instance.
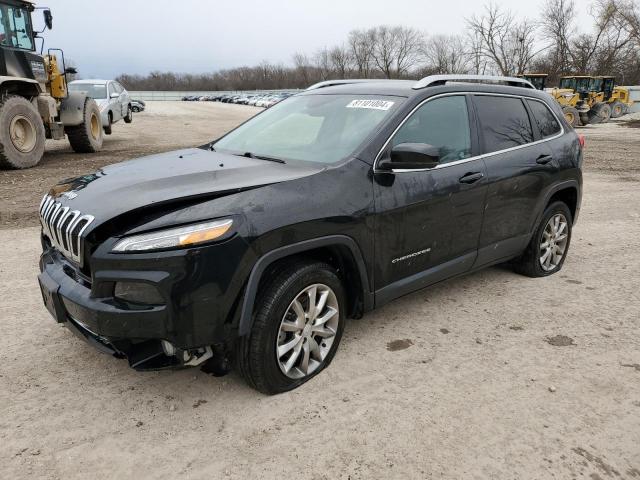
(570, 97)
(565, 95)
(538, 80)
(35, 103)
(617, 97)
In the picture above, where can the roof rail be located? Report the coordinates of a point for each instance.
(331, 83)
(437, 80)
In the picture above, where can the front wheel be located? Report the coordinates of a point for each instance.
(549, 245)
(22, 133)
(617, 109)
(571, 115)
(298, 324)
(87, 137)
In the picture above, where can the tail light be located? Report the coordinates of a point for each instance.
(581, 140)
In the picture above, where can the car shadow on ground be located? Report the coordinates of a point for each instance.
(189, 386)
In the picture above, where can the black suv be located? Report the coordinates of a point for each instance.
(254, 250)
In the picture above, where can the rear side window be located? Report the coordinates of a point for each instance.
(504, 122)
(443, 123)
(546, 121)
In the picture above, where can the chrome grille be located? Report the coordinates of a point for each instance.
(64, 227)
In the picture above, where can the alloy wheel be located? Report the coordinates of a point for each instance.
(307, 331)
(554, 242)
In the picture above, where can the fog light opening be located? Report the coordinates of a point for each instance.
(138, 293)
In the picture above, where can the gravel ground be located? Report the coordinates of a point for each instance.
(492, 375)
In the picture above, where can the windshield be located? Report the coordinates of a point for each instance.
(314, 128)
(93, 90)
(15, 27)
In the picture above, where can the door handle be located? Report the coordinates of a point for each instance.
(471, 177)
(544, 159)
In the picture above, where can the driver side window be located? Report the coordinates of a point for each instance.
(443, 123)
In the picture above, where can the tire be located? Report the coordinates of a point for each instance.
(135, 109)
(600, 113)
(584, 118)
(128, 118)
(617, 109)
(531, 262)
(256, 354)
(571, 115)
(87, 137)
(22, 134)
(108, 128)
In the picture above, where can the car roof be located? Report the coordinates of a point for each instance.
(406, 88)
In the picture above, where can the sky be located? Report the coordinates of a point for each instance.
(107, 38)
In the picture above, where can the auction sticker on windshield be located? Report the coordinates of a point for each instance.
(374, 104)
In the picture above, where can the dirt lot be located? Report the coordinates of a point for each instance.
(492, 375)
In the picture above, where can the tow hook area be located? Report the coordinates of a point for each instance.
(214, 359)
(189, 358)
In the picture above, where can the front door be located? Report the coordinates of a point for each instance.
(428, 221)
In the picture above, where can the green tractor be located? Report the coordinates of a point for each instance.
(35, 103)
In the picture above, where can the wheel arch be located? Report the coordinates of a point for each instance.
(567, 192)
(25, 87)
(340, 251)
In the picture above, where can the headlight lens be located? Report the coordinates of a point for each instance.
(174, 237)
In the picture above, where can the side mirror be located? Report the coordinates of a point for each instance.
(115, 95)
(48, 18)
(411, 156)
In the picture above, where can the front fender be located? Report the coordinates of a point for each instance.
(246, 314)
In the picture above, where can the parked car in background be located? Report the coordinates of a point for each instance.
(138, 106)
(113, 100)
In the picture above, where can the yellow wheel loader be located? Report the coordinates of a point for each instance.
(617, 97)
(34, 101)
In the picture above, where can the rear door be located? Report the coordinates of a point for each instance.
(519, 164)
(428, 221)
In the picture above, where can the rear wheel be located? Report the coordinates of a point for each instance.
(600, 113)
(549, 245)
(297, 328)
(87, 137)
(617, 109)
(22, 134)
(571, 115)
(128, 118)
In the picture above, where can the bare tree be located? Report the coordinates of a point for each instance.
(409, 47)
(447, 54)
(396, 49)
(322, 62)
(340, 58)
(508, 44)
(361, 43)
(558, 25)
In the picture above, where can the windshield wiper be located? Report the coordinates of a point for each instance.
(261, 157)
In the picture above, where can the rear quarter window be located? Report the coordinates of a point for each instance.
(504, 122)
(544, 118)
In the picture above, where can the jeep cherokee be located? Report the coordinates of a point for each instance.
(253, 250)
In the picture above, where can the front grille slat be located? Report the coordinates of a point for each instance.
(64, 227)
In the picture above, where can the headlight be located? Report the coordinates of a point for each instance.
(174, 237)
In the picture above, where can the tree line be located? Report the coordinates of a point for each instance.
(495, 41)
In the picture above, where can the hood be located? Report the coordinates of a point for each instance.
(168, 177)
